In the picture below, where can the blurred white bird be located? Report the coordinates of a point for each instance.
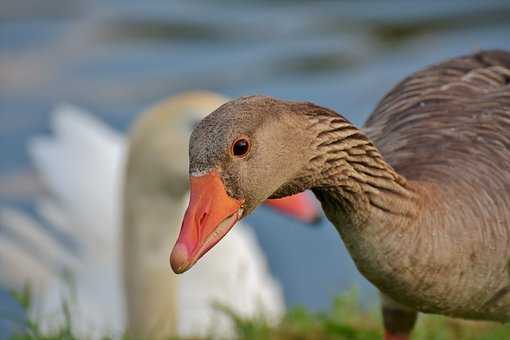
(83, 166)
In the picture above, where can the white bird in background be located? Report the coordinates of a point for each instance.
(83, 166)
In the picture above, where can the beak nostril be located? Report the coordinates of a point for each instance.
(202, 218)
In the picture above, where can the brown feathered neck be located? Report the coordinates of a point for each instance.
(377, 212)
(350, 177)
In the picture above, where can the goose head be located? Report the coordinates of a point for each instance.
(242, 154)
(158, 150)
(157, 175)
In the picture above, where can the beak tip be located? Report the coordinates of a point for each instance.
(179, 258)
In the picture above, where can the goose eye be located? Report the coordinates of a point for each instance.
(240, 147)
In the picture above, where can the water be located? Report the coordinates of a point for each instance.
(116, 57)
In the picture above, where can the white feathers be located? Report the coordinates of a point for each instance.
(81, 165)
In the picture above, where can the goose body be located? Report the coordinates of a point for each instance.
(420, 196)
(83, 167)
(446, 131)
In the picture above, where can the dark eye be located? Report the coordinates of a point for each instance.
(241, 147)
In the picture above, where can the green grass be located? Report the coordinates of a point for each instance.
(347, 320)
(32, 329)
(344, 320)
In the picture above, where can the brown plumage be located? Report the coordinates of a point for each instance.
(420, 196)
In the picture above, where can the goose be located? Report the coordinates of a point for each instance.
(420, 195)
(120, 273)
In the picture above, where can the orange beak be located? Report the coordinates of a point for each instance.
(212, 213)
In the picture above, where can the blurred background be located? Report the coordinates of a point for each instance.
(116, 57)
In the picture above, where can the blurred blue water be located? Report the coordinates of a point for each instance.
(116, 57)
(12, 318)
